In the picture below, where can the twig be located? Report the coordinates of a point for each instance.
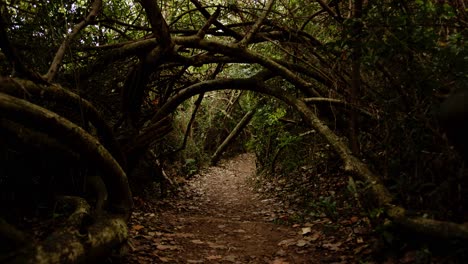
(54, 67)
(248, 37)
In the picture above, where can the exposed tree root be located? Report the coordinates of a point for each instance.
(82, 209)
(70, 246)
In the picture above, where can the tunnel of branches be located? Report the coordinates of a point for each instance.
(96, 96)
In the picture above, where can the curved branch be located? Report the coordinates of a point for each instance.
(23, 89)
(375, 187)
(218, 24)
(75, 137)
(202, 87)
(330, 11)
(120, 51)
(157, 21)
(95, 9)
(248, 37)
(338, 102)
(234, 51)
(201, 33)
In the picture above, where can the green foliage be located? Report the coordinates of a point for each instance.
(271, 139)
(190, 167)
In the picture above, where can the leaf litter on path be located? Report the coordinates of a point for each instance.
(220, 219)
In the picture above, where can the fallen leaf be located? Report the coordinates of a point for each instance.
(281, 253)
(279, 261)
(164, 259)
(214, 257)
(314, 237)
(137, 227)
(287, 242)
(195, 261)
(360, 249)
(184, 235)
(166, 247)
(197, 241)
(216, 246)
(331, 246)
(230, 258)
(301, 243)
(306, 230)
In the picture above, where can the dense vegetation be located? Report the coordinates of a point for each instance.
(96, 96)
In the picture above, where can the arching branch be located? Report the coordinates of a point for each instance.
(248, 37)
(251, 56)
(218, 24)
(25, 89)
(69, 134)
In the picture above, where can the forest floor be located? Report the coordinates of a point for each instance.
(220, 218)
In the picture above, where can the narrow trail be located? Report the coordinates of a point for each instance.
(221, 220)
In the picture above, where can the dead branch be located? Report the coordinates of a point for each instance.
(330, 11)
(315, 100)
(218, 24)
(232, 136)
(158, 23)
(254, 29)
(54, 67)
(201, 33)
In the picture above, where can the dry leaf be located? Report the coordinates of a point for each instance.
(287, 242)
(164, 259)
(331, 246)
(137, 227)
(314, 237)
(301, 243)
(197, 241)
(214, 257)
(279, 261)
(306, 230)
(166, 247)
(195, 261)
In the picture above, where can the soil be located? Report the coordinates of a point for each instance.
(219, 218)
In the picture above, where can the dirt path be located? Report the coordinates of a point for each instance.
(222, 221)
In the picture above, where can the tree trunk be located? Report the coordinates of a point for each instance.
(232, 136)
